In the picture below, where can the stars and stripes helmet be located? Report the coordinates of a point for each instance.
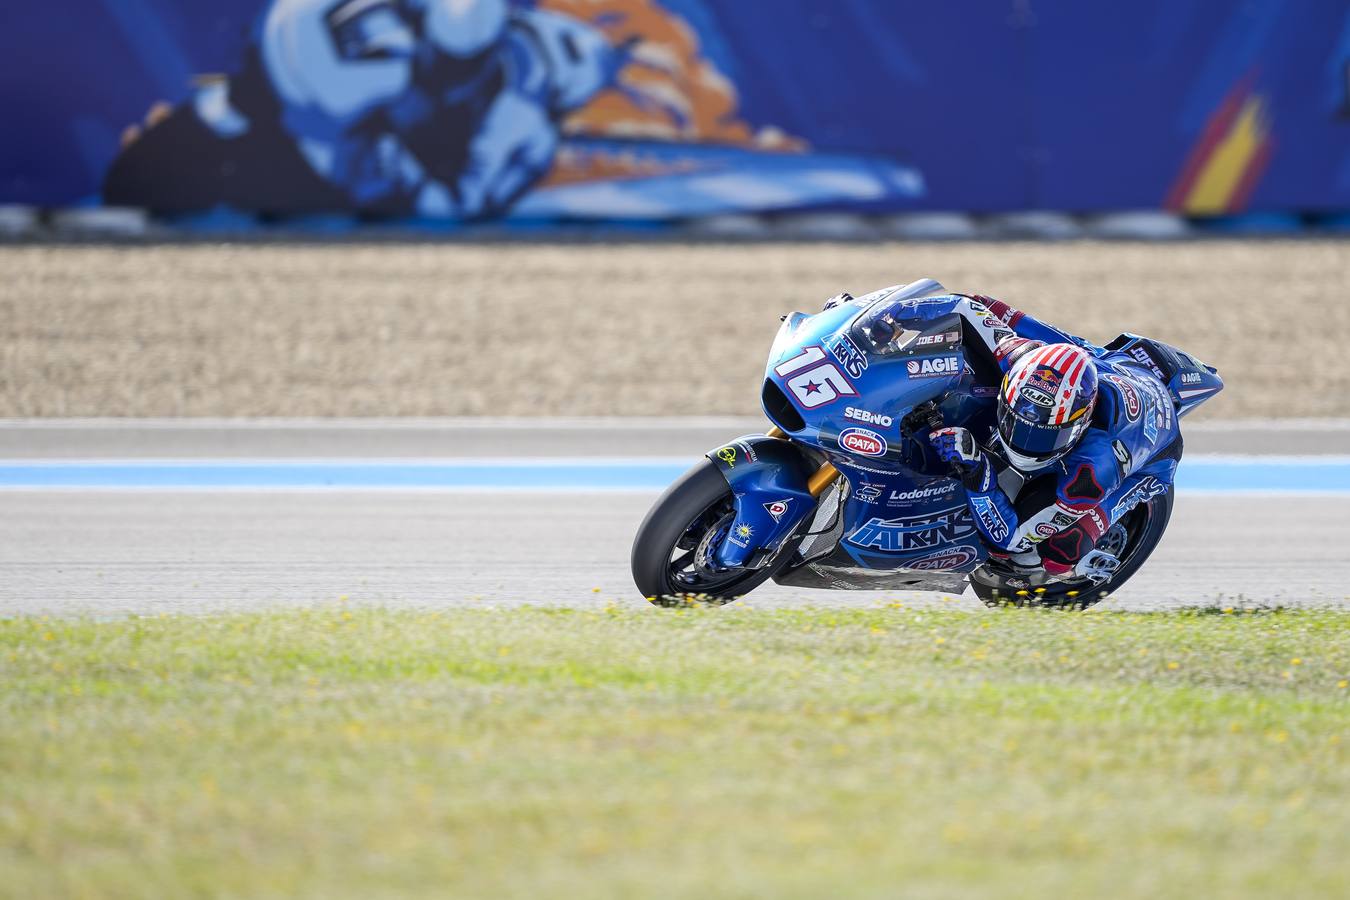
(1045, 404)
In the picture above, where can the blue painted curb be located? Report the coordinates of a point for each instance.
(1225, 475)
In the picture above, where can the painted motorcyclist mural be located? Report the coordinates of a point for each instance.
(437, 107)
(458, 109)
(675, 109)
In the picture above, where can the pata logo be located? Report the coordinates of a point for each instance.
(862, 442)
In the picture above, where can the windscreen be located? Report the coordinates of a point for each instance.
(890, 325)
(880, 329)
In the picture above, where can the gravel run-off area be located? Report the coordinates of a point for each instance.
(430, 329)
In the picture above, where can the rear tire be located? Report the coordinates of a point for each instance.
(1144, 526)
(670, 560)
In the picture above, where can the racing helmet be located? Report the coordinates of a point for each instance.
(1046, 404)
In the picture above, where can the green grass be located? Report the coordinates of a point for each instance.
(695, 753)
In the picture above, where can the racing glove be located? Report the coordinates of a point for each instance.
(957, 448)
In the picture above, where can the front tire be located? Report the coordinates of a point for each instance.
(1143, 528)
(671, 558)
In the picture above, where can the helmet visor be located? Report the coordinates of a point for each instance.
(1032, 439)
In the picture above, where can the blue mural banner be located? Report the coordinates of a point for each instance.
(663, 109)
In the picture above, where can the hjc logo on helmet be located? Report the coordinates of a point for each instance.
(1038, 396)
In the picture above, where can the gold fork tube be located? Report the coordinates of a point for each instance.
(823, 477)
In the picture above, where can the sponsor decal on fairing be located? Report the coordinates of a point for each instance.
(932, 492)
(740, 535)
(777, 508)
(850, 357)
(871, 418)
(914, 533)
(946, 337)
(1141, 355)
(868, 493)
(735, 451)
(950, 558)
(933, 367)
(862, 442)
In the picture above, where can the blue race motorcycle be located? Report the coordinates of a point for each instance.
(846, 493)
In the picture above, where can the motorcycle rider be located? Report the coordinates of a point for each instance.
(1084, 427)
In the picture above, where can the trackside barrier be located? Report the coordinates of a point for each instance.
(26, 223)
(869, 118)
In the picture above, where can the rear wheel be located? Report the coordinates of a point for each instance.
(1130, 540)
(672, 557)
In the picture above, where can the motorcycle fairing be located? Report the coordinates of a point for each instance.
(824, 575)
(768, 481)
(843, 380)
(827, 388)
(1190, 381)
(897, 530)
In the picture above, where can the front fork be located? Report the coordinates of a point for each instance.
(821, 479)
(776, 486)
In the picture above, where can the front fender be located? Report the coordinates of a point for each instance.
(768, 478)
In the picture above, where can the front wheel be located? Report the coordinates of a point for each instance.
(673, 551)
(1130, 540)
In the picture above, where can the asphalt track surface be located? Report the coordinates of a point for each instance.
(114, 552)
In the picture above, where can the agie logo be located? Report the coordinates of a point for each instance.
(931, 368)
(862, 442)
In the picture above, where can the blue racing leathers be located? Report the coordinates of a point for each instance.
(1127, 455)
